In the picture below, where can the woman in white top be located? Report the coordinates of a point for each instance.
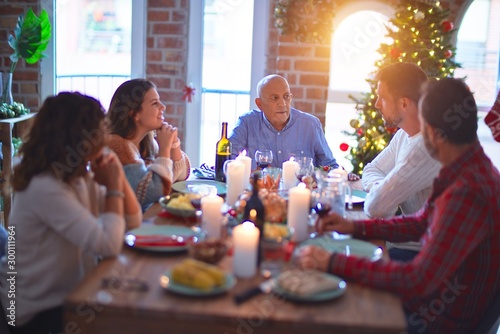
(64, 216)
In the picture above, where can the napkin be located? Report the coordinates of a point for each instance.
(162, 240)
(204, 172)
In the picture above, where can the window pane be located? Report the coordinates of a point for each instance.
(93, 41)
(478, 44)
(354, 50)
(354, 54)
(227, 64)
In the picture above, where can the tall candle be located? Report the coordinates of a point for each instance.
(235, 181)
(211, 215)
(289, 178)
(247, 161)
(246, 243)
(299, 199)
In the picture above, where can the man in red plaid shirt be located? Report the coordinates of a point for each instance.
(450, 284)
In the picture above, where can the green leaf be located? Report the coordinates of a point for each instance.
(31, 37)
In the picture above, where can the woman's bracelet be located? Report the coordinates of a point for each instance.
(115, 193)
(176, 144)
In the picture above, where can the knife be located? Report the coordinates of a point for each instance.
(264, 287)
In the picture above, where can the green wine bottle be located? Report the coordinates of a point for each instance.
(222, 154)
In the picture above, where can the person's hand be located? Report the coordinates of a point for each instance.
(108, 170)
(334, 222)
(312, 257)
(165, 136)
(353, 177)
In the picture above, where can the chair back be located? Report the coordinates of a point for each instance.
(490, 322)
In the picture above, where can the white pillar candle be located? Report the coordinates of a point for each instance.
(289, 179)
(299, 199)
(246, 243)
(212, 215)
(235, 181)
(247, 161)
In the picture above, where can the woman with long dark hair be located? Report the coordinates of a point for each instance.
(148, 147)
(64, 215)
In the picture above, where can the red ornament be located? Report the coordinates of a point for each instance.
(447, 26)
(493, 119)
(448, 54)
(395, 52)
(344, 147)
(188, 93)
(360, 132)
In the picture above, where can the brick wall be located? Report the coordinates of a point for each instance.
(167, 53)
(306, 66)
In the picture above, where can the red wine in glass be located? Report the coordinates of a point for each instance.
(322, 208)
(263, 165)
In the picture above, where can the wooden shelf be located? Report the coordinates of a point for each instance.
(6, 128)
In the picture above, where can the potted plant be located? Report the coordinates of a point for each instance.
(30, 39)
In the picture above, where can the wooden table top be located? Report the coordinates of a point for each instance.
(91, 308)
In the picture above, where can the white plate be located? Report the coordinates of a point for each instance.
(168, 284)
(162, 230)
(346, 246)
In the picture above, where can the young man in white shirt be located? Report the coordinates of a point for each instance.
(401, 176)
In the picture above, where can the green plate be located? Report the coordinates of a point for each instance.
(183, 186)
(168, 284)
(354, 247)
(358, 196)
(162, 230)
(317, 297)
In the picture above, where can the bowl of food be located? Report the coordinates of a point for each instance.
(208, 250)
(275, 205)
(179, 204)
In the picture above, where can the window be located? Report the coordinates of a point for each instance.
(355, 41)
(478, 46)
(92, 52)
(478, 51)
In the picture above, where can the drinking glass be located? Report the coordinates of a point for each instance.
(304, 167)
(263, 158)
(321, 201)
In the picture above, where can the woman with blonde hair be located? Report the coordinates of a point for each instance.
(147, 146)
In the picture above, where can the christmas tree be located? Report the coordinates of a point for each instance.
(421, 34)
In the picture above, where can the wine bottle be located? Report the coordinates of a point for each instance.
(255, 211)
(223, 153)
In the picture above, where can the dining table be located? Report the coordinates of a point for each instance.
(102, 303)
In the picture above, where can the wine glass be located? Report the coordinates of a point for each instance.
(321, 201)
(304, 167)
(263, 158)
